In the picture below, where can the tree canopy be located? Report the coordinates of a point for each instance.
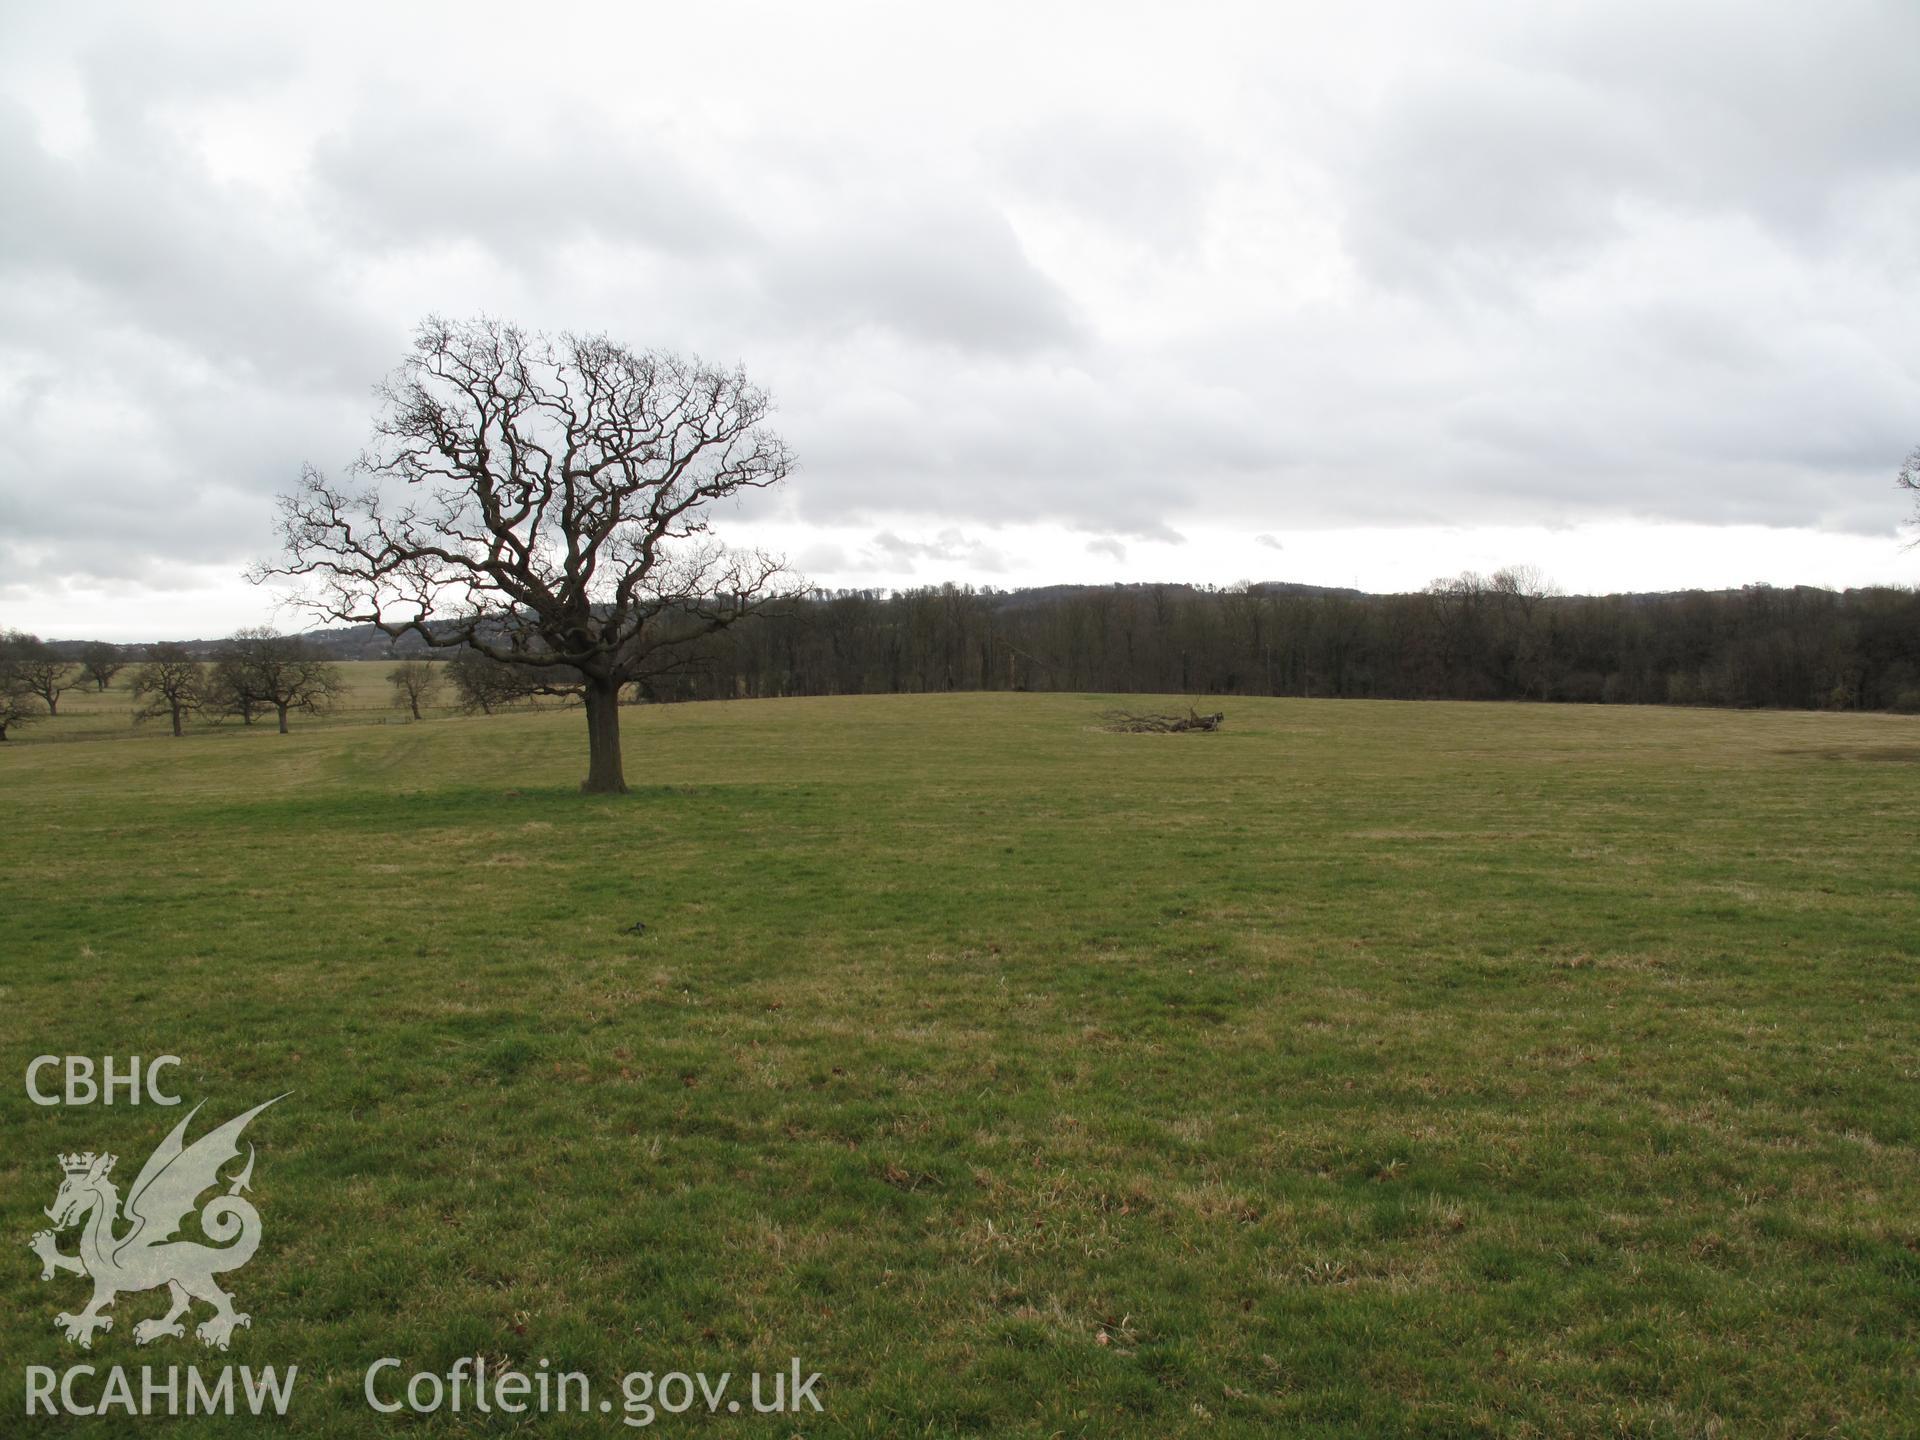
(545, 502)
(171, 683)
(260, 669)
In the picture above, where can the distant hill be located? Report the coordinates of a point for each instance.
(341, 642)
(352, 642)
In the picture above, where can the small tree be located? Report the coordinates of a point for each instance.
(17, 706)
(101, 662)
(222, 697)
(32, 665)
(172, 683)
(413, 682)
(1909, 479)
(482, 683)
(542, 501)
(261, 669)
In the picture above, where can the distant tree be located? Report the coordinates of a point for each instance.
(483, 683)
(31, 665)
(101, 662)
(414, 681)
(542, 501)
(260, 669)
(1523, 586)
(171, 683)
(18, 706)
(1909, 479)
(223, 698)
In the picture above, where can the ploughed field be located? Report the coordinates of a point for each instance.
(1360, 1069)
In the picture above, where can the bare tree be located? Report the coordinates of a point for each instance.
(33, 666)
(414, 681)
(484, 684)
(101, 662)
(171, 683)
(17, 706)
(1909, 479)
(1522, 587)
(543, 502)
(261, 669)
(221, 698)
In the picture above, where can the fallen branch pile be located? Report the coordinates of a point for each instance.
(1127, 722)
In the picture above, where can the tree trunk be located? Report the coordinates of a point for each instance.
(283, 718)
(604, 775)
(52, 697)
(176, 722)
(413, 703)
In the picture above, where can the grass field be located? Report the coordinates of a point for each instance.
(1364, 1069)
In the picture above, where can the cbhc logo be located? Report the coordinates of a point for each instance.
(80, 1086)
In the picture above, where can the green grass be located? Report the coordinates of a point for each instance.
(1364, 1069)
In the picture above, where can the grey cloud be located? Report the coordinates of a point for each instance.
(942, 273)
(526, 183)
(1107, 546)
(150, 240)
(1016, 444)
(1772, 110)
(1652, 260)
(1475, 172)
(1143, 180)
(822, 559)
(950, 547)
(1480, 170)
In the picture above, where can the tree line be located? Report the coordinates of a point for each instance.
(1506, 636)
(253, 674)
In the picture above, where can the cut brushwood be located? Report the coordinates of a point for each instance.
(1129, 722)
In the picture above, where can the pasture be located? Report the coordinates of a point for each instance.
(1362, 1069)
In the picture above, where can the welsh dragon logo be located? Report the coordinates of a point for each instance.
(144, 1255)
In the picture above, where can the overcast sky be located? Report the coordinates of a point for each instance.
(1353, 294)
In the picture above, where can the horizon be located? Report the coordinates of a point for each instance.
(1659, 560)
